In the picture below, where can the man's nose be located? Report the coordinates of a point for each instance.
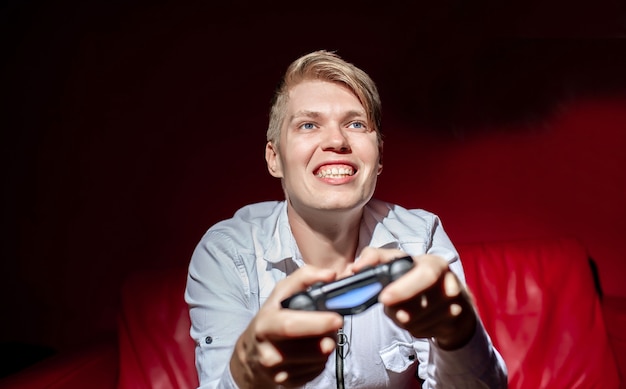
(335, 139)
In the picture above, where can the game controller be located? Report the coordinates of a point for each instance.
(350, 295)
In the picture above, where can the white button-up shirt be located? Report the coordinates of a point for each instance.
(239, 261)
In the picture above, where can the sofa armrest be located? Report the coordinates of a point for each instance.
(94, 367)
(538, 302)
(614, 311)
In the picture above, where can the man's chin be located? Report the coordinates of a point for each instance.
(339, 205)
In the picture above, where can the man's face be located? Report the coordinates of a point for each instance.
(328, 154)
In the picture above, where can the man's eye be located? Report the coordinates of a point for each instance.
(357, 125)
(307, 126)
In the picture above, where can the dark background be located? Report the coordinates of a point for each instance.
(129, 128)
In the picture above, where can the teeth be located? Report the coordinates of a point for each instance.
(335, 172)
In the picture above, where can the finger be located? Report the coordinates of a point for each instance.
(421, 326)
(298, 281)
(295, 351)
(268, 354)
(307, 350)
(443, 291)
(304, 360)
(424, 318)
(298, 375)
(288, 324)
(427, 272)
(371, 256)
(297, 378)
(451, 285)
(451, 324)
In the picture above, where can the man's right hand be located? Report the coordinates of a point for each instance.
(283, 346)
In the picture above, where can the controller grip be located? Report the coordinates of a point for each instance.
(400, 267)
(300, 301)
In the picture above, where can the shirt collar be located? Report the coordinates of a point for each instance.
(282, 244)
(372, 232)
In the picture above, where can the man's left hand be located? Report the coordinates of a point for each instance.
(428, 301)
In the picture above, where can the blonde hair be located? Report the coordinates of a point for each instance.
(325, 66)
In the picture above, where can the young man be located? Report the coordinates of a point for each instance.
(324, 144)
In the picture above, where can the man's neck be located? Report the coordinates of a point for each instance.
(327, 239)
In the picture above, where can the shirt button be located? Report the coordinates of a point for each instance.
(411, 357)
(208, 340)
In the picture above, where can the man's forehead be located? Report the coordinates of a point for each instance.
(313, 98)
(309, 85)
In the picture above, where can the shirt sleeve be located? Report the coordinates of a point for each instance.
(218, 295)
(475, 365)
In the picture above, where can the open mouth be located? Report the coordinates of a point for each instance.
(335, 171)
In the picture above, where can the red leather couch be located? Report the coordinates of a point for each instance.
(538, 299)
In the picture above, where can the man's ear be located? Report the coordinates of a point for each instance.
(273, 161)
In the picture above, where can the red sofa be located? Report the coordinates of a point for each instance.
(538, 299)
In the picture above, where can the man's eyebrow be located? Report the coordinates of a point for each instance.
(304, 113)
(314, 114)
(355, 113)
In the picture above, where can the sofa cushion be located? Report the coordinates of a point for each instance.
(156, 350)
(538, 301)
